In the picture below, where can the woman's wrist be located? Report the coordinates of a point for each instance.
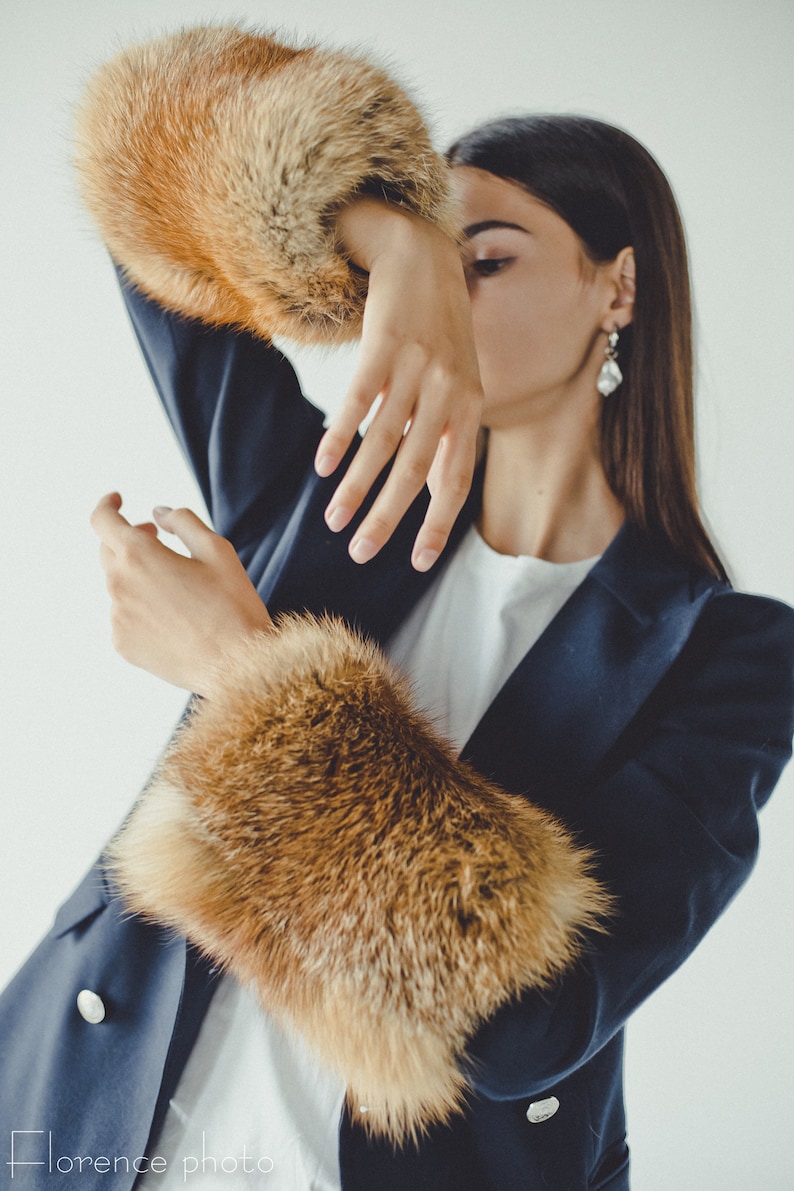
(370, 229)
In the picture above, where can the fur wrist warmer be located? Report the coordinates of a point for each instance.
(213, 161)
(310, 833)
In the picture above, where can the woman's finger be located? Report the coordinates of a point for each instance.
(189, 528)
(439, 449)
(452, 474)
(368, 382)
(406, 480)
(108, 523)
(383, 438)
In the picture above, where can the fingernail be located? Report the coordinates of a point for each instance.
(162, 510)
(363, 550)
(425, 559)
(338, 518)
(325, 465)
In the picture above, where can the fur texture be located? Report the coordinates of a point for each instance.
(309, 831)
(214, 159)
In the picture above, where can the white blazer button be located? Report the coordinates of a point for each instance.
(90, 1006)
(541, 1110)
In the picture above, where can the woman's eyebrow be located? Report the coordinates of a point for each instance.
(474, 229)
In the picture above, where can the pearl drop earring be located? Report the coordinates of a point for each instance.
(610, 375)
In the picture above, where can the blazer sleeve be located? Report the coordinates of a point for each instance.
(674, 819)
(235, 405)
(213, 161)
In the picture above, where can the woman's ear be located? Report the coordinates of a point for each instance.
(623, 275)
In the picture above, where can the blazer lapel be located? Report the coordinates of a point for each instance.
(584, 680)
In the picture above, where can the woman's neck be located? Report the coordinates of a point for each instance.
(545, 494)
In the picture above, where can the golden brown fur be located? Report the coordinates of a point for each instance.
(310, 832)
(213, 159)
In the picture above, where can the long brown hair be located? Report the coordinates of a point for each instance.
(610, 191)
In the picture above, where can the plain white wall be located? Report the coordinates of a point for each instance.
(707, 85)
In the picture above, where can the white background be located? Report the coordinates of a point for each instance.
(706, 84)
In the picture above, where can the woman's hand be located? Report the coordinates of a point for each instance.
(417, 355)
(172, 615)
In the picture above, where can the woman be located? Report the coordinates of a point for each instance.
(450, 946)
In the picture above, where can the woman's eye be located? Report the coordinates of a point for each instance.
(490, 265)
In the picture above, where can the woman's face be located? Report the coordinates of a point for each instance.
(538, 303)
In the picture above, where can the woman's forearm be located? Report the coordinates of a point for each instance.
(235, 180)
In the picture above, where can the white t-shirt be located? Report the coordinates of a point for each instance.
(470, 630)
(254, 1110)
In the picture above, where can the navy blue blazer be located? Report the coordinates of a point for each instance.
(653, 716)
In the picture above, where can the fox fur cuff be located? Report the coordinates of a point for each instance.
(309, 831)
(214, 159)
